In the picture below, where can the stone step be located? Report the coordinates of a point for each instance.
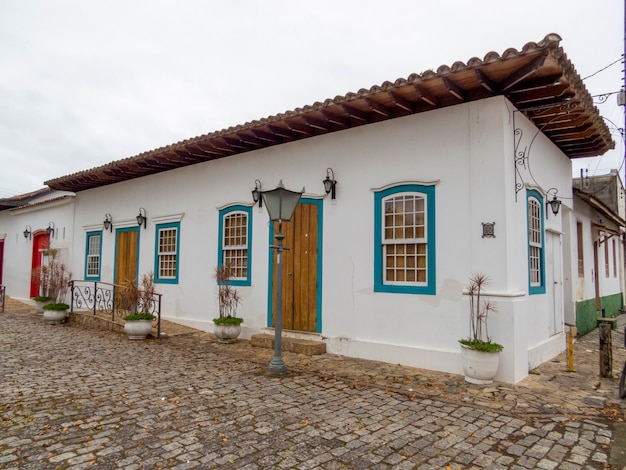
(301, 346)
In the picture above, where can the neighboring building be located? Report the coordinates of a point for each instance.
(597, 247)
(433, 184)
(29, 224)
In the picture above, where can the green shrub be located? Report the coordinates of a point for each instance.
(56, 307)
(228, 321)
(139, 316)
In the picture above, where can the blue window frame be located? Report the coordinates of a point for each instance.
(404, 240)
(235, 235)
(93, 255)
(536, 263)
(166, 257)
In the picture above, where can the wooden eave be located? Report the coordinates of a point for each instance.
(538, 80)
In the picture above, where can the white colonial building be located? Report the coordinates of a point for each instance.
(438, 176)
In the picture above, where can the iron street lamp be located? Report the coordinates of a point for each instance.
(256, 193)
(281, 204)
(555, 204)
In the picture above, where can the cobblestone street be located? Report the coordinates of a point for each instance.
(75, 398)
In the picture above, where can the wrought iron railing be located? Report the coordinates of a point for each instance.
(110, 299)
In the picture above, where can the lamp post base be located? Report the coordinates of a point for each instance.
(277, 366)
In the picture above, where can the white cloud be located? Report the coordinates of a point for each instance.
(85, 83)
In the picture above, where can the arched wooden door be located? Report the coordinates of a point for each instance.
(126, 255)
(301, 270)
(41, 242)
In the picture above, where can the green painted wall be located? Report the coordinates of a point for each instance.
(586, 311)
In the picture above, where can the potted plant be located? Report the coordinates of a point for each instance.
(227, 325)
(479, 355)
(55, 281)
(140, 304)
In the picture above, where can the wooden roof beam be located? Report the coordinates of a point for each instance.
(266, 136)
(401, 102)
(355, 113)
(299, 128)
(425, 96)
(485, 81)
(234, 142)
(523, 72)
(378, 108)
(454, 89)
(281, 131)
(335, 119)
(207, 148)
(317, 123)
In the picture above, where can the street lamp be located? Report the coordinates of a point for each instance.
(281, 204)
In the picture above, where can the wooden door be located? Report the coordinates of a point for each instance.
(126, 255)
(41, 242)
(300, 270)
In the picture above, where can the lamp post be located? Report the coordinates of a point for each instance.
(281, 204)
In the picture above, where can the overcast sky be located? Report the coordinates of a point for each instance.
(86, 82)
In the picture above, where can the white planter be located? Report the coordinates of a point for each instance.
(479, 367)
(227, 333)
(54, 317)
(138, 329)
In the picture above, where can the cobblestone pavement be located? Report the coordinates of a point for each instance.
(73, 398)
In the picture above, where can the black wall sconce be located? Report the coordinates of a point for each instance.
(50, 229)
(28, 232)
(108, 222)
(256, 193)
(330, 184)
(141, 218)
(555, 204)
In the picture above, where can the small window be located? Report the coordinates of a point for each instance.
(93, 253)
(607, 267)
(235, 236)
(581, 258)
(535, 243)
(167, 246)
(405, 240)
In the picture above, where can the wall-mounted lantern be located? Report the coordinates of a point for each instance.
(555, 204)
(330, 184)
(108, 222)
(28, 232)
(50, 229)
(141, 218)
(256, 193)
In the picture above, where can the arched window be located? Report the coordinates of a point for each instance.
(536, 271)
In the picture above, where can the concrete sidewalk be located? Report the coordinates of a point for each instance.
(74, 398)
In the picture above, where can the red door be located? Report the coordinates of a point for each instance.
(41, 241)
(1, 259)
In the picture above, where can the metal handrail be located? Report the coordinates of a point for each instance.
(103, 297)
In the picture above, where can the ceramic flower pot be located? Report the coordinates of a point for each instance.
(137, 329)
(479, 367)
(227, 333)
(54, 317)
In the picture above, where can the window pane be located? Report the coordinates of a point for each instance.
(403, 225)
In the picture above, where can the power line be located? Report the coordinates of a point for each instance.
(604, 68)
